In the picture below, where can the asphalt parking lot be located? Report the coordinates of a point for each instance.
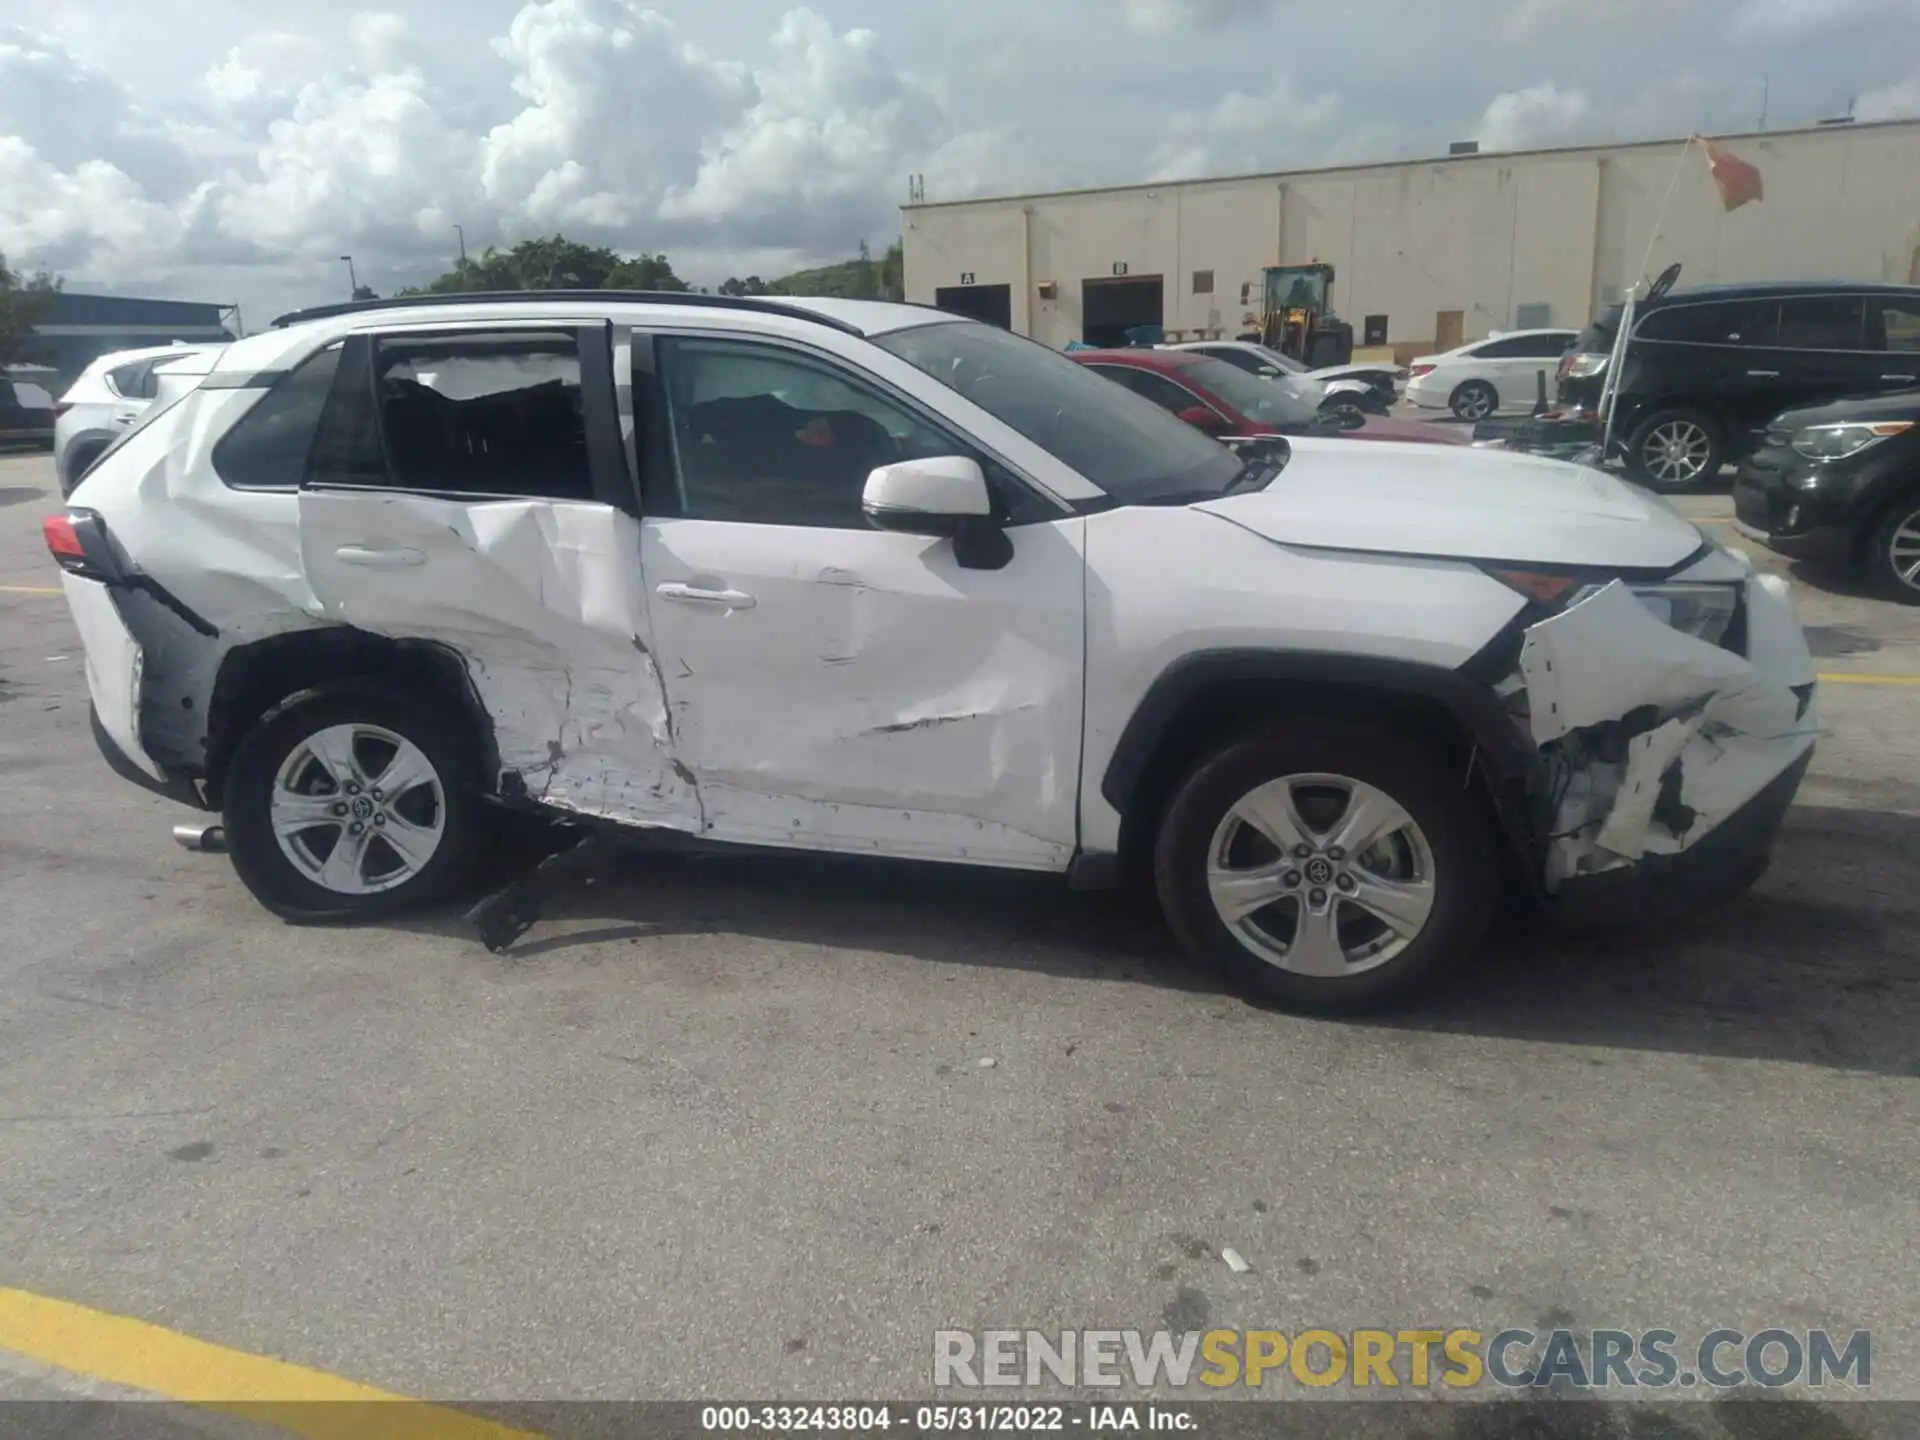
(728, 1128)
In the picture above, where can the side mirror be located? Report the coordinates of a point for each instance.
(1267, 372)
(1203, 419)
(927, 497)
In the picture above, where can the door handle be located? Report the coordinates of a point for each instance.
(692, 595)
(1897, 379)
(1763, 374)
(379, 559)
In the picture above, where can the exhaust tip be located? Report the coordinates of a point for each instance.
(206, 839)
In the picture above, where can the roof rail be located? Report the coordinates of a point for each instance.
(625, 297)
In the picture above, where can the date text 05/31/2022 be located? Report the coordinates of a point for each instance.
(934, 1419)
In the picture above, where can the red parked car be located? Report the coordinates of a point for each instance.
(1229, 403)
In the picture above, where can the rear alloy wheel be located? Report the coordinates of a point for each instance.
(1475, 400)
(349, 804)
(1895, 558)
(1674, 450)
(1326, 868)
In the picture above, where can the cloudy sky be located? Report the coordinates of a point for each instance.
(234, 149)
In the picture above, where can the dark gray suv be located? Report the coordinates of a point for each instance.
(1707, 368)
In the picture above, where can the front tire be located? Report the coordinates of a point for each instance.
(1326, 867)
(348, 803)
(1474, 401)
(1893, 559)
(1674, 450)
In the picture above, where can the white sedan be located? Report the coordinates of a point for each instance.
(1367, 385)
(1501, 372)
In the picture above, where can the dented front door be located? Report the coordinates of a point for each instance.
(859, 690)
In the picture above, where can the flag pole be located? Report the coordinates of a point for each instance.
(1661, 219)
(1610, 387)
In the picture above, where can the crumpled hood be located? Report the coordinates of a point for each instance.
(1464, 503)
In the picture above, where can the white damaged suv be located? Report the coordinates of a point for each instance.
(880, 580)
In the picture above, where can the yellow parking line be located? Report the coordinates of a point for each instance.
(139, 1356)
(32, 590)
(1869, 679)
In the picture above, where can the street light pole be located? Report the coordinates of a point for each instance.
(461, 232)
(353, 280)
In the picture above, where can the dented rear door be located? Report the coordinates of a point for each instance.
(836, 686)
(496, 528)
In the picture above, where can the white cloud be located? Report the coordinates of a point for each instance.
(1540, 115)
(1176, 17)
(1240, 132)
(1893, 102)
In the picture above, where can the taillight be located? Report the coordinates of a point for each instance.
(1420, 370)
(63, 541)
(78, 542)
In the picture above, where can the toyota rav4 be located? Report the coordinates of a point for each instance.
(875, 579)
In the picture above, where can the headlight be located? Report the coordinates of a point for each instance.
(1703, 611)
(1837, 442)
(1584, 367)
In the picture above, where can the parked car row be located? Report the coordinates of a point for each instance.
(1225, 401)
(871, 578)
(1368, 386)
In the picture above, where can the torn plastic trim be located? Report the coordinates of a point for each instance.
(1654, 738)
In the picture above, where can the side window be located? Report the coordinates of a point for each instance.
(484, 413)
(772, 437)
(1157, 388)
(132, 381)
(1517, 348)
(1240, 359)
(267, 448)
(1746, 323)
(1549, 347)
(1823, 322)
(1900, 323)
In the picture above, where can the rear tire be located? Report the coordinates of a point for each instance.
(348, 803)
(1893, 556)
(1675, 450)
(1474, 401)
(1369, 870)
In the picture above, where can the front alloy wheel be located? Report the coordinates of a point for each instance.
(1327, 864)
(1321, 875)
(1896, 553)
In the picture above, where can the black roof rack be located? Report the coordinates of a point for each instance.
(624, 297)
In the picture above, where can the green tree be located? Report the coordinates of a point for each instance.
(365, 292)
(752, 285)
(553, 262)
(24, 302)
(866, 281)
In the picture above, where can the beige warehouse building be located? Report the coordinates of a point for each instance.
(1427, 252)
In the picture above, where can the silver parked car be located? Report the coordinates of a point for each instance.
(110, 395)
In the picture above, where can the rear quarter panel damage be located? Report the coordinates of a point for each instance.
(542, 601)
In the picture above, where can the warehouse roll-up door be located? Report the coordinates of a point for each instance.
(991, 303)
(1111, 307)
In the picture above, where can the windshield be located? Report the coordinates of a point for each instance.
(1270, 402)
(1128, 446)
(1284, 363)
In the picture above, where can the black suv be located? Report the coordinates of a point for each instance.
(1707, 368)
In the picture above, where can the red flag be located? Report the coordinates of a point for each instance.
(1737, 181)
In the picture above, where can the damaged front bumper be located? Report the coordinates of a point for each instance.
(1668, 762)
